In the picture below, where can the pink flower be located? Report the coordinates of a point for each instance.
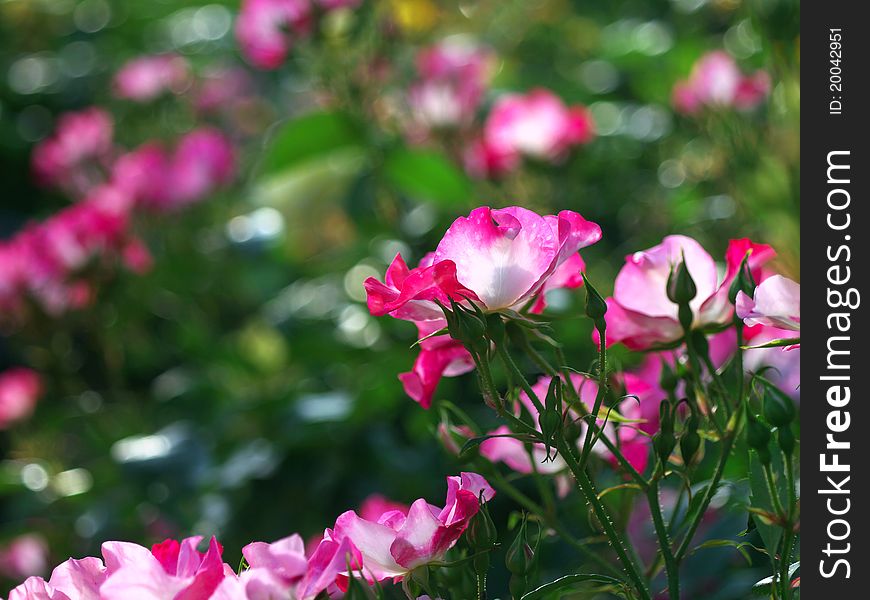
(144, 173)
(145, 78)
(440, 356)
(203, 161)
(171, 570)
(640, 315)
(78, 152)
(500, 259)
(20, 388)
(453, 77)
(716, 81)
(777, 303)
(71, 580)
(537, 125)
(395, 544)
(483, 161)
(266, 29)
(24, 556)
(506, 256)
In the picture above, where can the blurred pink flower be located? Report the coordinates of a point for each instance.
(266, 29)
(716, 81)
(640, 315)
(20, 388)
(452, 78)
(145, 78)
(221, 88)
(76, 156)
(376, 505)
(777, 303)
(203, 161)
(537, 125)
(483, 161)
(25, 555)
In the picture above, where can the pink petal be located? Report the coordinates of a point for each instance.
(449, 360)
(285, 557)
(500, 254)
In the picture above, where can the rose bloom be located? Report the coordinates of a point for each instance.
(397, 543)
(170, 570)
(640, 315)
(776, 303)
(266, 29)
(498, 258)
(716, 81)
(537, 125)
(145, 78)
(75, 156)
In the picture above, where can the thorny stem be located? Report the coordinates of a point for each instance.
(599, 397)
(588, 489)
(671, 565)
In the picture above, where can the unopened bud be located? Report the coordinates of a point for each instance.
(743, 281)
(520, 556)
(482, 533)
(785, 437)
(668, 380)
(778, 408)
(596, 306)
(681, 287)
(757, 433)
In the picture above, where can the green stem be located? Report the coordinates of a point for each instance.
(549, 520)
(599, 397)
(481, 587)
(537, 357)
(588, 489)
(671, 566)
(727, 445)
(515, 370)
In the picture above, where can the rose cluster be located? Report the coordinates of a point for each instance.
(384, 544)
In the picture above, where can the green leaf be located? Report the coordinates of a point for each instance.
(739, 546)
(762, 502)
(308, 137)
(569, 581)
(427, 175)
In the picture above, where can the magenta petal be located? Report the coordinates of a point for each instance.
(500, 254)
(414, 543)
(449, 359)
(328, 562)
(36, 588)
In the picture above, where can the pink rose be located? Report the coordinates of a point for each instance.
(75, 157)
(640, 314)
(777, 303)
(716, 81)
(537, 125)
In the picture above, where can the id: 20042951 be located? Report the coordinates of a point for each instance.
(835, 71)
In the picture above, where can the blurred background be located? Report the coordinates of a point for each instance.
(212, 368)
